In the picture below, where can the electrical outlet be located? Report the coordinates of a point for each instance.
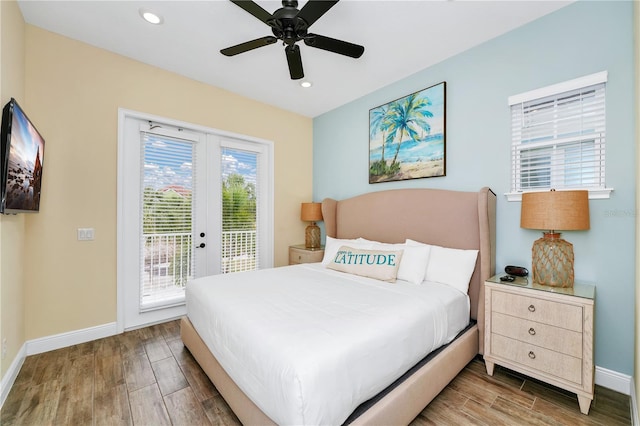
(85, 234)
(4, 348)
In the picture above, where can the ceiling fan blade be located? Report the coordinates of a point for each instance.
(253, 9)
(314, 9)
(334, 45)
(249, 45)
(295, 61)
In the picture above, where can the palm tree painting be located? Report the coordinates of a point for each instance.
(407, 137)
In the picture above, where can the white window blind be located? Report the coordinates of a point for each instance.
(166, 238)
(240, 171)
(558, 136)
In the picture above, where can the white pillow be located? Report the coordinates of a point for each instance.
(450, 266)
(413, 265)
(413, 243)
(379, 264)
(332, 245)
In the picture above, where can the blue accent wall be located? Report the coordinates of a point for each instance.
(583, 38)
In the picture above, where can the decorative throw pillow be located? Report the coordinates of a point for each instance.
(379, 264)
(413, 266)
(450, 266)
(332, 245)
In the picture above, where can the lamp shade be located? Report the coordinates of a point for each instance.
(311, 212)
(555, 210)
(551, 256)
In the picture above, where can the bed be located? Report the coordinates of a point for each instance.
(459, 220)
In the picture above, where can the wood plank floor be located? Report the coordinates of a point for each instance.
(147, 377)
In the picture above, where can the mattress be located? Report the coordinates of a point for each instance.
(308, 345)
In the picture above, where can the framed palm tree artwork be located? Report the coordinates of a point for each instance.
(407, 137)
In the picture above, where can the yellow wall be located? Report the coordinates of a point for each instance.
(73, 92)
(12, 228)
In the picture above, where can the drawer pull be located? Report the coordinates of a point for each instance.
(532, 331)
(532, 355)
(532, 308)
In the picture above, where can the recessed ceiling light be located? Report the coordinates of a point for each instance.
(306, 84)
(151, 17)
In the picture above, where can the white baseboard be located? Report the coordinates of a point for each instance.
(62, 340)
(12, 373)
(613, 380)
(635, 419)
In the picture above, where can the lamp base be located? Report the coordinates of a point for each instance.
(552, 261)
(312, 236)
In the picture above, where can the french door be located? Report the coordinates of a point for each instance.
(192, 202)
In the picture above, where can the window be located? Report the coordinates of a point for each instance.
(558, 138)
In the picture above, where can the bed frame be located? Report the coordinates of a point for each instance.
(456, 219)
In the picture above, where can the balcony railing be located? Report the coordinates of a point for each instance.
(168, 262)
(239, 251)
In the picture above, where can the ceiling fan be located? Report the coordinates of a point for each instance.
(290, 25)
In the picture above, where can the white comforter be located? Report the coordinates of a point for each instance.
(308, 345)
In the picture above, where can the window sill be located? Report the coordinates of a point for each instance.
(594, 194)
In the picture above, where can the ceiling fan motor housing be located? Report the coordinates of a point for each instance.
(286, 25)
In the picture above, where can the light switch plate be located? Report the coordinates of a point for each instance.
(85, 234)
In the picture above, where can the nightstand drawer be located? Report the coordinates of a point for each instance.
(546, 336)
(537, 358)
(538, 310)
(302, 255)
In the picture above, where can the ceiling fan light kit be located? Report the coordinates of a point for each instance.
(290, 25)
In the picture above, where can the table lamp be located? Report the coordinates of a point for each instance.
(311, 212)
(552, 257)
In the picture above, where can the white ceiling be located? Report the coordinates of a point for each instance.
(400, 38)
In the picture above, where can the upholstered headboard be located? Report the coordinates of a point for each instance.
(456, 219)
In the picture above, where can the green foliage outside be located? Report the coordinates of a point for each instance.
(238, 204)
(169, 212)
(166, 211)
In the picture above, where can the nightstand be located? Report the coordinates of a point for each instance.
(543, 332)
(300, 254)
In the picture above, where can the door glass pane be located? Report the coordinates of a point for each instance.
(239, 251)
(166, 240)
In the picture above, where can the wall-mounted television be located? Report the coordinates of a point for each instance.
(21, 161)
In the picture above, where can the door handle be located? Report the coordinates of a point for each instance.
(201, 245)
